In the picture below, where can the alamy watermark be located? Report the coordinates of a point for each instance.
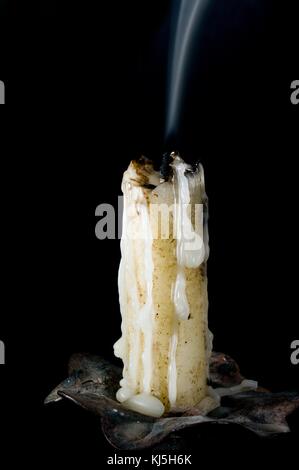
(2, 93)
(295, 92)
(153, 221)
(2, 353)
(295, 353)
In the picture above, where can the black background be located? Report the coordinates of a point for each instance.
(86, 92)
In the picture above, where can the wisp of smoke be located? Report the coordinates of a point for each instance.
(188, 14)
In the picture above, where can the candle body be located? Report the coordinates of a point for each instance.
(165, 344)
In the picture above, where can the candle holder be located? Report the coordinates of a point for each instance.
(93, 382)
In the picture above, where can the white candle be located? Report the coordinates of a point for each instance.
(165, 343)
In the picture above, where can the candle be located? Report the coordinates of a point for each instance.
(165, 344)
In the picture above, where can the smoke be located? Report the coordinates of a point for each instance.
(187, 14)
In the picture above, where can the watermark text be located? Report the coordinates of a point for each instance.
(2, 353)
(295, 353)
(295, 93)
